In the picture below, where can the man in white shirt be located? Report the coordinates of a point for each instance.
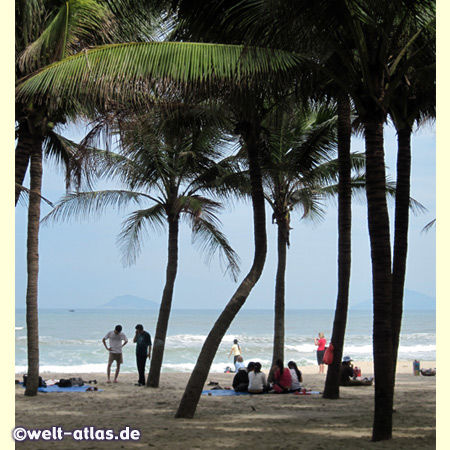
(115, 350)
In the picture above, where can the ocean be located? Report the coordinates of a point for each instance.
(70, 341)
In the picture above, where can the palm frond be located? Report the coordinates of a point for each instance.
(429, 226)
(128, 73)
(75, 23)
(83, 205)
(200, 212)
(134, 231)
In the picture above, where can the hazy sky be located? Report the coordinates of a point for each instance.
(80, 264)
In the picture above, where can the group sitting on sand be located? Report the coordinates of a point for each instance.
(252, 379)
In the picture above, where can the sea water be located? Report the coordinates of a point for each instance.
(70, 341)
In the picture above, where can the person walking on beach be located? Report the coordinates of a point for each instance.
(116, 338)
(143, 350)
(321, 342)
(236, 351)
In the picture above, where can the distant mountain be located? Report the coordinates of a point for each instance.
(411, 300)
(130, 302)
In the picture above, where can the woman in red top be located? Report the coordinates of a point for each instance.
(321, 342)
(282, 377)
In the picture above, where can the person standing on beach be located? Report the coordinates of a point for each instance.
(236, 351)
(116, 338)
(143, 342)
(321, 342)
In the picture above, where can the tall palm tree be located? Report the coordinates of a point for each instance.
(298, 170)
(48, 31)
(413, 105)
(45, 31)
(166, 159)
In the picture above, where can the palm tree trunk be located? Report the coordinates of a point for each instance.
(331, 389)
(378, 220)
(194, 388)
(24, 146)
(34, 212)
(166, 305)
(279, 328)
(400, 235)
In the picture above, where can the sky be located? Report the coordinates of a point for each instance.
(80, 266)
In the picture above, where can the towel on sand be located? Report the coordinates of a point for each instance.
(56, 388)
(233, 392)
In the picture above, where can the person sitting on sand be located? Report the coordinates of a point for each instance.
(282, 377)
(296, 376)
(115, 350)
(240, 380)
(257, 382)
(347, 376)
(239, 363)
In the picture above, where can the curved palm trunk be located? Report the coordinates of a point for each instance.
(331, 389)
(25, 144)
(400, 236)
(279, 327)
(378, 220)
(193, 390)
(34, 213)
(166, 305)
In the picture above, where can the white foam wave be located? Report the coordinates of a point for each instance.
(306, 348)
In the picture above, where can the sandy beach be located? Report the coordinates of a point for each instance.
(262, 422)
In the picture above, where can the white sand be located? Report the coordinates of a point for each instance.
(260, 422)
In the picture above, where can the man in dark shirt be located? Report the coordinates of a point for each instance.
(240, 380)
(143, 350)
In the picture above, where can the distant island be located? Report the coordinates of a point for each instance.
(130, 302)
(411, 300)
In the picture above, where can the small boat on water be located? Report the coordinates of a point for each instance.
(19, 328)
(71, 310)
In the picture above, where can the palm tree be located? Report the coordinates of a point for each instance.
(166, 159)
(48, 31)
(413, 104)
(45, 32)
(297, 171)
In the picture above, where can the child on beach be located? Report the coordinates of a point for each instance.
(236, 351)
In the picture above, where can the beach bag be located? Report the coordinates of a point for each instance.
(328, 356)
(41, 382)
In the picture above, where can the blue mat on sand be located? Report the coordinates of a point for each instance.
(233, 392)
(224, 392)
(56, 388)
